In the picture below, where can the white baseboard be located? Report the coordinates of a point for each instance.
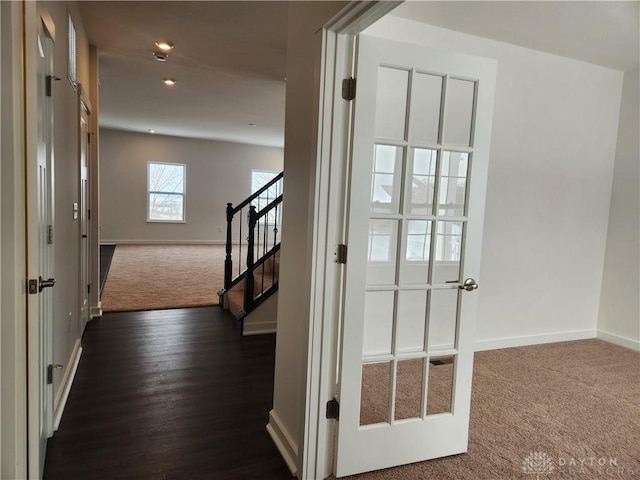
(619, 340)
(284, 443)
(249, 329)
(162, 242)
(63, 393)
(523, 341)
(96, 312)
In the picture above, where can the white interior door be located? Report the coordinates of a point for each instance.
(421, 133)
(84, 217)
(40, 260)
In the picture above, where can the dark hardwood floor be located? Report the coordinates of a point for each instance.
(168, 394)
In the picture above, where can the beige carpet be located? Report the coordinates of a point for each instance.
(577, 402)
(151, 277)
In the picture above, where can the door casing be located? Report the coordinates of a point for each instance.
(332, 176)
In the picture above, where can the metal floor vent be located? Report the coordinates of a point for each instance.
(441, 361)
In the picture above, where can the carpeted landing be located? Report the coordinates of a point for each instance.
(577, 403)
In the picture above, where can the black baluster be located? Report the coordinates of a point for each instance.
(249, 278)
(228, 260)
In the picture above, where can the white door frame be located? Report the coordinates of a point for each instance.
(84, 114)
(13, 403)
(330, 206)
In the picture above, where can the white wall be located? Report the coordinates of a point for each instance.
(619, 318)
(217, 173)
(551, 165)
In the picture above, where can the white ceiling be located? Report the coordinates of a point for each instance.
(229, 62)
(230, 56)
(605, 33)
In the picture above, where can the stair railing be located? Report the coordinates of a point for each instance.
(255, 244)
(265, 247)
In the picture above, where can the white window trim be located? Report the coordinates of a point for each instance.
(184, 192)
(72, 70)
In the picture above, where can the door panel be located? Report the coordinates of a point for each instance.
(39, 255)
(421, 132)
(84, 218)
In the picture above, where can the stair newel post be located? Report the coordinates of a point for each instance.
(249, 279)
(228, 262)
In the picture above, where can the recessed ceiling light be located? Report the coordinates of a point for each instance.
(169, 81)
(160, 56)
(151, 130)
(252, 125)
(164, 45)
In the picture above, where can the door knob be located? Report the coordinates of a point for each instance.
(46, 283)
(468, 285)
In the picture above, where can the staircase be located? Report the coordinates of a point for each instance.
(252, 260)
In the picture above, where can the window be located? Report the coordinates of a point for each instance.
(166, 190)
(73, 78)
(259, 178)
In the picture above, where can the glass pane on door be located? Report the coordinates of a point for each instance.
(409, 389)
(391, 103)
(443, 319)
(448, 252)
(453, 184)
(423, 179)
(374, 395)
(440, 392)
(378, 327)
(459, 112)
(426, 98)
(412, 319)
(386, 179)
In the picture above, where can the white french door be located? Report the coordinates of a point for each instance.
(421, 132)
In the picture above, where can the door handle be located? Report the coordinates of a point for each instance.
(468, 285)
(46, 283)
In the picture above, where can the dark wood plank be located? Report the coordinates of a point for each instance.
(169, 394)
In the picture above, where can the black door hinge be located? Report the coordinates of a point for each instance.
(340, 254)
(89, 214)
(333, 409)
(88, 288)
(50, 79)
(349, 88)
(50, 372)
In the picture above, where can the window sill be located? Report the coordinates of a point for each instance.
(166, 221)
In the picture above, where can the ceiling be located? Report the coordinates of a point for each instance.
(230, 56)
(605, 33)
(229, 63)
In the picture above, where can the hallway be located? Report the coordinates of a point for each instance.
(168, 394)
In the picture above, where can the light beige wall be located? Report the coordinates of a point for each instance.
(13, 392)
(301, 137)
(619, 316)
(217, 173)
